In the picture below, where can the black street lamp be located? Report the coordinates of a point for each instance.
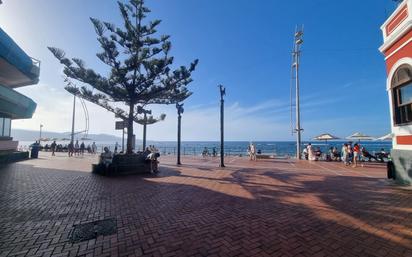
(180, 110)
(140, 110)
(222, 102)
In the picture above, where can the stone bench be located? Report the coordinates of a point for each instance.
(125, 164)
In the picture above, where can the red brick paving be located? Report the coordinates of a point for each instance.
(267, 208)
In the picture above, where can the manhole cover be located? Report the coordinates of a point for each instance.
(91, 230)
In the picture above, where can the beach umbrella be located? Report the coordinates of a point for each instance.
(360, 137)
(325, 137)
(387, 137)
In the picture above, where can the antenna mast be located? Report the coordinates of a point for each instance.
(298, 41)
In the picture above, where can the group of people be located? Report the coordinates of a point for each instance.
(72, 149)
(106, 157)
(349, 154)
(206, 153)
(77, 150)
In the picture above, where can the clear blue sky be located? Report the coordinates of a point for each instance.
(243, 44)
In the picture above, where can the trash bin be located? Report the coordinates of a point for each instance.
(34, 154)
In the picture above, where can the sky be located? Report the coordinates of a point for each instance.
(243, 44)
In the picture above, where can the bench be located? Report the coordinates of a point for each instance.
(125, 164)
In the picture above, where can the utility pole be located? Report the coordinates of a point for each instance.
(41, 126)
(73, 117)
(295, 72)
(222, 102)
(180, 110)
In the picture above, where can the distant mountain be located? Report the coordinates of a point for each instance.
(31, 135)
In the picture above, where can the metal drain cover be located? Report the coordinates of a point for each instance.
(92, 230)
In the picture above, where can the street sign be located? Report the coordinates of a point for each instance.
(121, 125)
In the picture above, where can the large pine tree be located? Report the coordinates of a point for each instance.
(140, 67)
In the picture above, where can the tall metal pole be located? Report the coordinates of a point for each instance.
(222, 102)
(41, 126)
(296, 54)
(144, 131)
(180, 110)
(123, 137)
(73, 117)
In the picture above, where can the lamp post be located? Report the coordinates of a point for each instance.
(222, 102)
(180, 110)
(41, 126)
(141, 110)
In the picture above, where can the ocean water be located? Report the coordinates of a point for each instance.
(279, 148)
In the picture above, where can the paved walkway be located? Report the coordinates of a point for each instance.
(267, 208)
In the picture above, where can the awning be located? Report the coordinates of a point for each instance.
(15, 105)
(16, 67)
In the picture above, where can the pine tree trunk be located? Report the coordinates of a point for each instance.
(130, 130)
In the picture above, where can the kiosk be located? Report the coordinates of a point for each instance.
(397, 49)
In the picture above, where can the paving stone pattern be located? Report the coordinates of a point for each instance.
(268, 208)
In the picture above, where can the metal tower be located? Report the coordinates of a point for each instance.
(295, 97)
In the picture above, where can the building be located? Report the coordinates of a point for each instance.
(397, 49)
(17, 69)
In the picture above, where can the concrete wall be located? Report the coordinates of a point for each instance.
(402, 159)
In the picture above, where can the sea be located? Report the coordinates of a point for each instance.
(235, 148)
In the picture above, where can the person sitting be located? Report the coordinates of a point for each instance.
(305, 153)
(205, 152)
(106, 157)
(366, 154)
(382, 155)
(335, 154)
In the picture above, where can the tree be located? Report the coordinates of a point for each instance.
(140, 67)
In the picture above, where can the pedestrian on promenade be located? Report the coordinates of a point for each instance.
(115, 147)
(53, 147)
(94, 148)
(76, 148)
(82, 148)
(350, 153)
(253, 151)
(70, 149)
(345, 153)
(311, 154)
(249, 150)
(356, 152)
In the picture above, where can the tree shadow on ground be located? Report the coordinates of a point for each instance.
(282, 215)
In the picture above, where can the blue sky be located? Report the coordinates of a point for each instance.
(243, 44)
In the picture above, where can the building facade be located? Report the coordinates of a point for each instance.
(17, 69)
(397, 49)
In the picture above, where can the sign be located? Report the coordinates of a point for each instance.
(121, 125)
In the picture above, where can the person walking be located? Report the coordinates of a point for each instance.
(76, 148)
(311, 155)
(82, 148)
(70, 149)
(53, 148)
(116, 146)
(94, 148)
(356, 152)
(344, 152)
(253, 150)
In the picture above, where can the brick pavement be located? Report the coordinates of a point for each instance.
(268, 208)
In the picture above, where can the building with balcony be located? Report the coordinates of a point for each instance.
(397, 49)
(17, 69)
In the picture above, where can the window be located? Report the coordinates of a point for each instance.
(6, 127)
(1, 126)
(402, 95)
